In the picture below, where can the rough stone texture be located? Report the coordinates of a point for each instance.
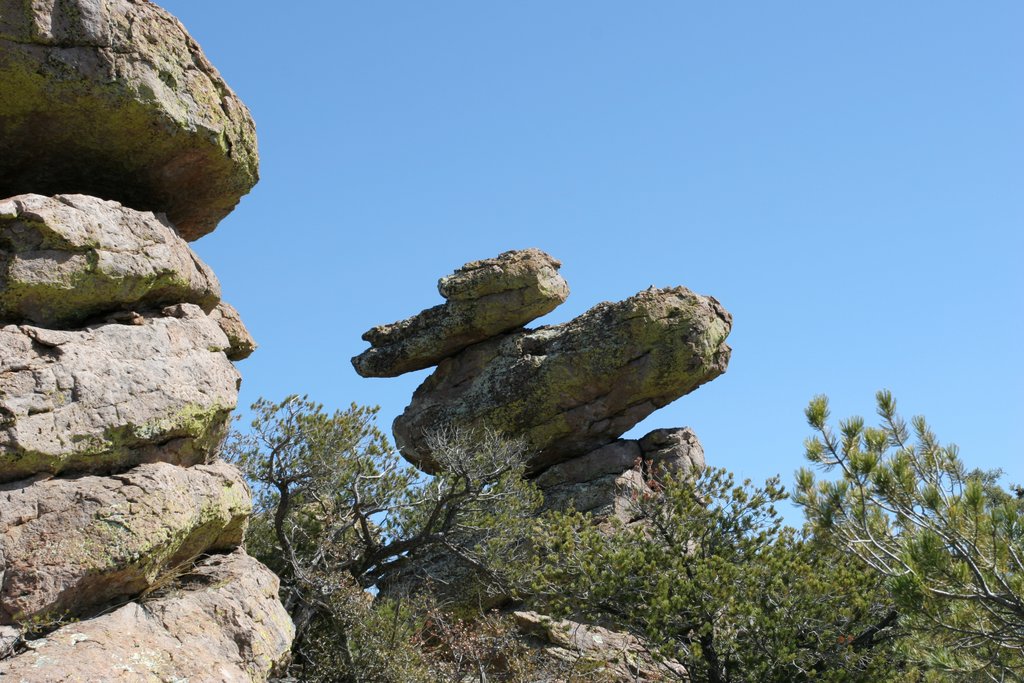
(222, 623)
(623, 656)
(69, 258)
(241, 342)
(572, 388)
(605, 482)
(70, 545)
(113, 98)
(112, 396)
(485, 298)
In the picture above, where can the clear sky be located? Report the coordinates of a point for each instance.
(844, 177)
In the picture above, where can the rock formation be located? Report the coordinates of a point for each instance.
(571, 390)
(119, 526)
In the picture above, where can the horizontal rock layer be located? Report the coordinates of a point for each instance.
(68, 546)
(485, 298)
(113, 98)
(220, 622)
(69, 258)
(572, 388)
(112, 396)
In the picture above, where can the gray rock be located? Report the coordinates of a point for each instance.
(70, 545)
(221, 622)
(113, 98)
(69, 258)
(241, 342)
(607, 482)
(611, 655)
(112, 396)
(485, 299)
(570, 389)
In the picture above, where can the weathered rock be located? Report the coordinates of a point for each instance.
(485, 299)
(70, 545)
(221, 623)
(606, 482)
(241, 342)
(612, 655)
(69, 258)
(112, 396)
(572, 388)
(113, 98)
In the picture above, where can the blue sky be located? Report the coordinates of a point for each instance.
(845, 178)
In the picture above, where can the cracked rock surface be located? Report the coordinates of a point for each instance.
(485, 298)
(69, 545)
(220, 622)
(572, 388)
(114, 395)
(116, 100)
(606, 482)
(69, 258)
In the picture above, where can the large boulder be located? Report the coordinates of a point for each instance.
(113, 98)
(485, 298)
(70, 545)
(69, 258)
(606, 483)
(221, 622)
(570, 389)
(108, 397)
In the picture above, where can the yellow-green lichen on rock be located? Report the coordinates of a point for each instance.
(113, 98)
(71, 258)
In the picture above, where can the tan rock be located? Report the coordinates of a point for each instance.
(607, 482)
(221, 623)
(69, 545)
(241, 342)
(570, 389)
(69, 258)
(113, 98)
(112, 396)
(485, 299)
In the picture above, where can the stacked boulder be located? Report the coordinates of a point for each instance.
(570, 390)
(119, 527)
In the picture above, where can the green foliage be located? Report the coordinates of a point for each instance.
(713, 580)
(336, 513)
(950, 542)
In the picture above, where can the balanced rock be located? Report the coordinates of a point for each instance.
(70, 545)
(570, 389)
(220, 622)
(113, 98)
(607, 482)
(485, 299)
(69, 258)
(112, 396)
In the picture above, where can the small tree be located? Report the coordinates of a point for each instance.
(712, 579)
(950, 542)
(336, 513)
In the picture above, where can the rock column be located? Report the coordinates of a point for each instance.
(120, 530)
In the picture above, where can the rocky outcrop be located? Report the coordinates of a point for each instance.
(485, 299)
(572, 388)
(240, 343)
(607, 482)
(112, 98)
(220, 620)
(604, 654)
(116, 380)
(114, 395)
(69, 258)
(68, 546)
